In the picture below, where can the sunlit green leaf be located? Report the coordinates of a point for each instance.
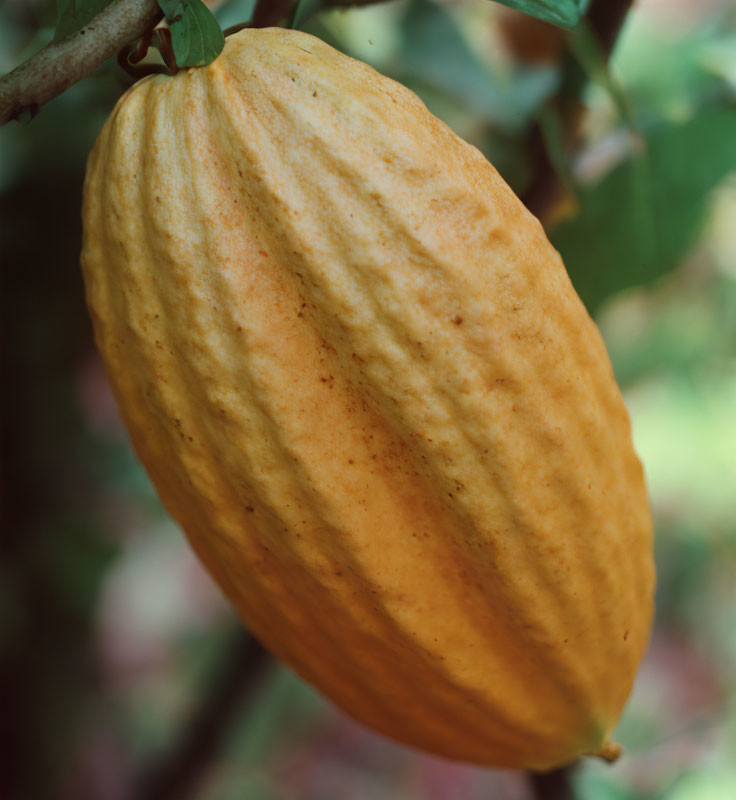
(195, 33)
(72, 15)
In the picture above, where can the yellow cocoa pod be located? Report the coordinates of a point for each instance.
(359, 378)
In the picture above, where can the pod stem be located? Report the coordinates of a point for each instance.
(554, 785)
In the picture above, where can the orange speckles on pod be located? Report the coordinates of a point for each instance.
(359, 378)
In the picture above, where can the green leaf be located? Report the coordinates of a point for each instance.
(304, 10)
(566, 13)
(195, 33)
(640, 220)
(73, 15)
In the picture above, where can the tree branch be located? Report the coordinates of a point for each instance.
(60, 65)
(179, 774)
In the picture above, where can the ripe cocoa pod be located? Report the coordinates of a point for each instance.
(359, 378)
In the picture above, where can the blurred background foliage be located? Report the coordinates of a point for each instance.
(113, 641)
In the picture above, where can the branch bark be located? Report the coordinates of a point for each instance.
(60, 65)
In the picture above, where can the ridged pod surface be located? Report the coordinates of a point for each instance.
(359, 378)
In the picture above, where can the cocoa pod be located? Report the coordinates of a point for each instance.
(360, 379)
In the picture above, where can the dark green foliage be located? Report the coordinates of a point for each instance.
(195, 33)
(639, 221)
